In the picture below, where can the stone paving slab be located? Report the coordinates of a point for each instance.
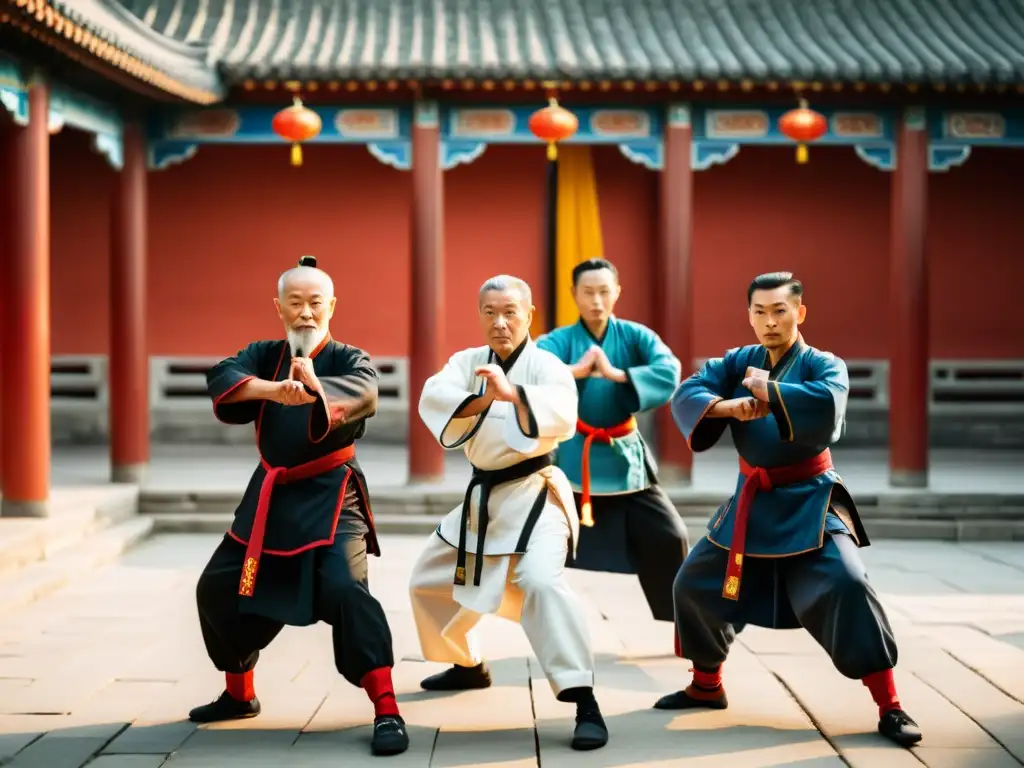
(116, 660)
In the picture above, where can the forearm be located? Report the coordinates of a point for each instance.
(617, 375)
(580, 370)
(253, 389)
(474, 407)
(721, 409)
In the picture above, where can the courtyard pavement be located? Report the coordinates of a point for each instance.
(103, 672)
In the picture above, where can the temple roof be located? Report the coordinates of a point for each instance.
(894, 41)
(110, 21)
(108, 31)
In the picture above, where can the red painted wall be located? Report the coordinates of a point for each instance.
(828, 222)
(225, 223)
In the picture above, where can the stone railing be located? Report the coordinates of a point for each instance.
(972, 403)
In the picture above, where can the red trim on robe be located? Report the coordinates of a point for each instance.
(305, 547)
(689, 437)
(220, 399)
(250, 564)
(277, 476)
(762, 479)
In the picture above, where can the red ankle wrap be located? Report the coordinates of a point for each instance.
(709, 681)
(883, 690)
(378, 686)
(240, 687)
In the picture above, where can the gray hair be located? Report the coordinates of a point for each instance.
(309, 272)
(506, 283)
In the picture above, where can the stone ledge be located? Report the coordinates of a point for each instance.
(419, 523)
(413, 500)
(47, 576)
(75, 514)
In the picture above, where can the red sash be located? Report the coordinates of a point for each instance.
(606, 435)
(760, 479)
(280, 476)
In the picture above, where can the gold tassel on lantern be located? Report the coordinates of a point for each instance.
(296, 154)
(588, 515)
(552, 151)
(801, 153)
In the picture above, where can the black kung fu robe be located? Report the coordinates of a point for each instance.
(307, 467)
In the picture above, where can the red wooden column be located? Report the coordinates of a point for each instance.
(8, 190)
(426, 457)
(26, 326)
(673, 278)
(908, 316)
(129, 359)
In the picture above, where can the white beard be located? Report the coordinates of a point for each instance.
(304, 340)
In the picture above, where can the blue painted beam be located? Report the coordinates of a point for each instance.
(997, 128)
(68, 107)
(253, 125)
(719, 133)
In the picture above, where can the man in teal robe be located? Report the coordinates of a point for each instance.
(782, 552)
(622, 368)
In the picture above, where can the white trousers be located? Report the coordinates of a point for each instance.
(535, 593)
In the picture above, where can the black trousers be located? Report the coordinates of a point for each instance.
(340, 597)
(825, 591)
(639, 533)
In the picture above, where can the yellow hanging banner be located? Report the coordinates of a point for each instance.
(578, 221)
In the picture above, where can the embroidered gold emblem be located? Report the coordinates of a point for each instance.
(460, 576)
(732, 586)
(248, 577)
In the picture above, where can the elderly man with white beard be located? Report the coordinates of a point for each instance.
(296, 550)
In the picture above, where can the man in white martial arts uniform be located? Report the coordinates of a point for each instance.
(503, 551)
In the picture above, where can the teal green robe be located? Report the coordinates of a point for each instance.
(653, 374)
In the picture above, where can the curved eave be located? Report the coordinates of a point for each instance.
(57, 27)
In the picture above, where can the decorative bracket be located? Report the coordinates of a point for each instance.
(704, 154)
(942, 157)
(878, 155)
(649, 154)
(66, 108)
(164, 154)
(455, 152)
(397, 154)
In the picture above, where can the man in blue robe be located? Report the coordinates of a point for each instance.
(622, 368)
(782, 552)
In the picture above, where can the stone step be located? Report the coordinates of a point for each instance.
(877, 528)
(219, 522)
(44, 577)
(75, 515)
(421, 500)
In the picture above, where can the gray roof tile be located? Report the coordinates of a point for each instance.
(838, 40)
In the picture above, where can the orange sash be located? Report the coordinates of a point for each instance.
(606, 435)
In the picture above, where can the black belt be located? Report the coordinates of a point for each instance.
(487, 479)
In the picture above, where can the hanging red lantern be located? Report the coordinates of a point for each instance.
(803, 125)
(297, 124)
(553, 124)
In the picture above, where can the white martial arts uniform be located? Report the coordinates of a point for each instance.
(526, 586)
